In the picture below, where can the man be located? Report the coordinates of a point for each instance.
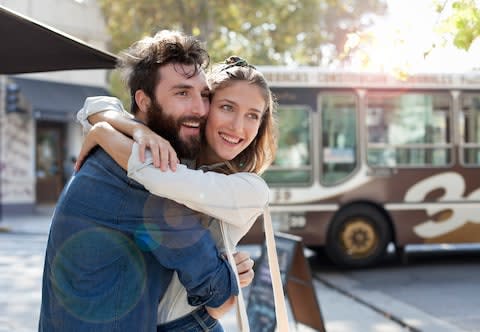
(113, 247)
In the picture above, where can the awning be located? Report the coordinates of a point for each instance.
(55, 101)
(30, 46)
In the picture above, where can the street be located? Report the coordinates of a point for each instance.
(21, 265)
(434, 292)
(435, 283)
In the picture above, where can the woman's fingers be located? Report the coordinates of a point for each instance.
(241, 257)
(173, 160)
(142, 146)
(244, 267)
(163, 154)
(246, 278)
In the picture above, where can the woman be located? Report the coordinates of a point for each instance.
(239, 140)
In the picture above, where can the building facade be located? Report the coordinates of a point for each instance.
(40, 139)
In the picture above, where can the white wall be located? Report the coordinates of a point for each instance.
(17, 132)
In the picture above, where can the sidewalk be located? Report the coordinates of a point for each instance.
(20, 279)
(39, 223)
(340, 314)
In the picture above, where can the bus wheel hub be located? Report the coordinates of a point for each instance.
(359, 238)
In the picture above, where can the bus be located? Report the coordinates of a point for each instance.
(369, 159)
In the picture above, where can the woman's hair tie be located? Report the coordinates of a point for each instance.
(236, 61)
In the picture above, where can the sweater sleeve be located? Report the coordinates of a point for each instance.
(99, 104)
(237, 199)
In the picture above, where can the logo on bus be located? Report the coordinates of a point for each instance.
(453, 186)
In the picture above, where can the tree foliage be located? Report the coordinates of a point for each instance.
(277, 32)
(307, 32)
(461, 21)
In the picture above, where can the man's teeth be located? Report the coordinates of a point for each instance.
(191, 124)
(230, 139)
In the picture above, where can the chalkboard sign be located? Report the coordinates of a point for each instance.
(261, 306)
(297, 284)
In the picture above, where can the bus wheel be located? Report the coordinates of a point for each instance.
(358, 236)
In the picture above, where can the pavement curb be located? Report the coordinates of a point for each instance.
(384, 313)
(403, 314)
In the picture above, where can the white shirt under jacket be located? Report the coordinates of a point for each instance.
(236, 199)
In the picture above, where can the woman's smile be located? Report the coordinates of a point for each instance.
(230, 139)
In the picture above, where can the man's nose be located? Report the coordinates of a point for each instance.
(201, 106)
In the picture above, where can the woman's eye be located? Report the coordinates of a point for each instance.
(253, 116)
(227, 108)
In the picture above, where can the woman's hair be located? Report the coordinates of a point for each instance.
(261, 152)
(140, 62)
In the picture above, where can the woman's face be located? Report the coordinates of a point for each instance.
(233, 121)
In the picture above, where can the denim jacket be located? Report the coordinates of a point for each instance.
(112, 250)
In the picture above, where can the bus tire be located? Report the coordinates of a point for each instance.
(358, 236)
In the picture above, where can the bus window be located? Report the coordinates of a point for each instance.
(292, 165)
(470, 128)
(339, 137)
(408, 129)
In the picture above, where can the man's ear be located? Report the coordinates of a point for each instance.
(143, 101)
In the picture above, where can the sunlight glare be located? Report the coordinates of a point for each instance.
(401, 43)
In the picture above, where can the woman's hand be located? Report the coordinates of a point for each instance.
(90, 141)
(245, 274)
(164, 156)
(244, 267)
(217, 313)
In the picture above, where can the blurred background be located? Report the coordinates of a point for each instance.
(379, 147)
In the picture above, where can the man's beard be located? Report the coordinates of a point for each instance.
(169, 128)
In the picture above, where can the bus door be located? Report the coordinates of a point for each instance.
(292, 171)
(317, 149)
(339, 137)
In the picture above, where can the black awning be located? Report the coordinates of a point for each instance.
(29, 46)
(55, 101)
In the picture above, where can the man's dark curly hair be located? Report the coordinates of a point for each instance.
(140, 62)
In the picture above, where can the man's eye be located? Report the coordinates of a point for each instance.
(182, 93)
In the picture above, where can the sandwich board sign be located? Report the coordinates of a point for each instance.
(297, 284)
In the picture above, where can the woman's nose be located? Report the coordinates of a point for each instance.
(236, 123)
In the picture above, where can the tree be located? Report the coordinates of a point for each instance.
(303, 32)
(308, 32)
(402, 46)
(460, 21)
